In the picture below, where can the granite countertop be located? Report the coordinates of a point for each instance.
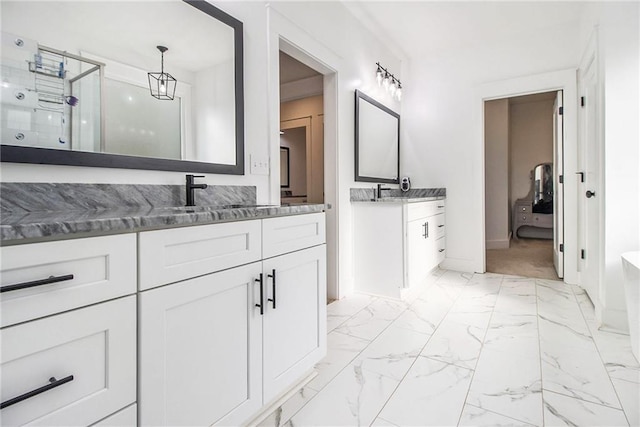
(57, 225)
(400, 199)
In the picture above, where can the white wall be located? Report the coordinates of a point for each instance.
(439, 147)
(531, 143)
(497, 211)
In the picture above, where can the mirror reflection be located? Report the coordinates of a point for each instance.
(377, 141)
(77, 76)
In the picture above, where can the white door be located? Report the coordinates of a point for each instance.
(589, 191)
(558, 190)
(200, 350)
(294, 322)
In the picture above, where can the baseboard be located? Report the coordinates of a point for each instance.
(462, 265)
(497, 244)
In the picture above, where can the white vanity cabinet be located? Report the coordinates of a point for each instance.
(216, 348)
(68, 353)
(396, 244)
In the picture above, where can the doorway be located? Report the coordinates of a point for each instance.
(523, 197)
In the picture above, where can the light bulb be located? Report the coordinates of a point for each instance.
(379, 76)
(399, 93)
(385, 82)
(163, 87)
(392, 88)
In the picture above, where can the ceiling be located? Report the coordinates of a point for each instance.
(292, 70)
(436, 28)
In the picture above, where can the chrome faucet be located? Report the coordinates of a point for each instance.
(191, 186)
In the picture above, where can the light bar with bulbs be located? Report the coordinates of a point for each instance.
(389, 82)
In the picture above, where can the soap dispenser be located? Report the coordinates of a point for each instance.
(405, 184)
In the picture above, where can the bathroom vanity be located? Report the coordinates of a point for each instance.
(206, 323)
(397, 242)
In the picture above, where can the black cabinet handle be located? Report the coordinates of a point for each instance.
(440, 250)
(590, 194)
(47, 281)
(424, 230)
(53, 383)
(261, 305)
(426, 227)
(440, 206)
(273, 287)
(441, 225)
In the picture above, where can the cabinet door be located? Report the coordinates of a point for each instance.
(294, 323)
(200, 350)
(419, 238)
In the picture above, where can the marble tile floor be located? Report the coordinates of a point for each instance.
(470, 350)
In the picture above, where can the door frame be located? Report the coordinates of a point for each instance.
(286, 36)
(564, 80)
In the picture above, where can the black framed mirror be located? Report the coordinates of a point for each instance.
(78, 94)
(377, 141)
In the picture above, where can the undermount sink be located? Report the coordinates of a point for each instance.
(192, 209)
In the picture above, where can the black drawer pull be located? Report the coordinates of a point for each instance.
(53, 383)
(441, 225)
(273, 287)
(440, 206)
(440, 250)
(47, 281)
(261, 305)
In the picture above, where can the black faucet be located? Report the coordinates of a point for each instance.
(379, 191)
(191, 186)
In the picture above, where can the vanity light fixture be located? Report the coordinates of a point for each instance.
(389, 82)
(162, 85)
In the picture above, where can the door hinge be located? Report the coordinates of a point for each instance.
(583, 254)
(561, 247)
(582, 101)
(561, 110)
(561, 179)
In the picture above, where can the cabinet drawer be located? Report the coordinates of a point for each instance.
(441, 249)
(89, 271)
(438, 224)
(127, 417)
(424, 209)
(523, 218)
(168, 256)
(523, 209)
(91, 352)
(291, 233)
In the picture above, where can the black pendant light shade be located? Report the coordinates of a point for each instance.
(162, 85)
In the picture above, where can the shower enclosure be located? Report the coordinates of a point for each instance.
(50, 98)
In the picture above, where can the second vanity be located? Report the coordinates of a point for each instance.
(397, 242)
(197, 325)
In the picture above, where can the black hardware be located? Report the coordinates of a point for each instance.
(441, 225)
(561, 247)
(582, 103)
(273, 287)
(561, 179)
(590, 194)
(581, 176)
(440, 250)
(561, 110)
(53, 383)
(440, 206)
(47, 281)
(191, 186)
(379, 190)
(583, 254)
(261, 305)
(426, 230)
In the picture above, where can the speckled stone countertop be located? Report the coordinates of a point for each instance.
(397, 196)
(94, 211)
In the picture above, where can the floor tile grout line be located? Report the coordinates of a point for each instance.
(498, 413)
(420, 352)
(466, 397)
(540, 351)
(595, 344)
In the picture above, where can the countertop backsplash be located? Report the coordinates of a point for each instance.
(366, 194)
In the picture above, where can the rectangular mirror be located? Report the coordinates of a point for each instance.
(377, 137)
(78, 82)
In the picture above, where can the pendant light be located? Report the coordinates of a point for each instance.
(389, 82)
(162, 85)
